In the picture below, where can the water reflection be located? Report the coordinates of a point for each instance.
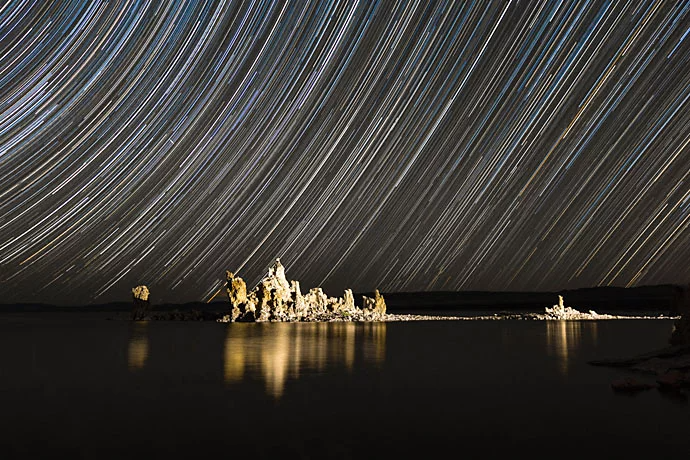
(276, 352)
(138, 349)
(233, 368)
(375, 345)
(563, 338)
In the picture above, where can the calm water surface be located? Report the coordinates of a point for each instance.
(78, 386)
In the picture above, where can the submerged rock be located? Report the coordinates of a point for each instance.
(141, 302)
(276, 299)
(672, 379)
(630, 385)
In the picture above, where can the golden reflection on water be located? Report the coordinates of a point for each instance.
(138, 349)
(233, 363)
(276, 352)
(276, 362)
(350, 347)
(375, 342)
(563, 338)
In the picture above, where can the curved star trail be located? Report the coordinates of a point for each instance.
(399, 145)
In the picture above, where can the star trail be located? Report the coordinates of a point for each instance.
(400, 145)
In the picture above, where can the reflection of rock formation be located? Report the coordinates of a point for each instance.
(141, 302)
(138, 349)
(563, 337)
(235, 348)
(349, 340)
(375, 342)
(279, 352)
(276, 361)
(276, 299)
(560, 337)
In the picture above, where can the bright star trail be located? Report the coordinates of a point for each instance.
(404, 146)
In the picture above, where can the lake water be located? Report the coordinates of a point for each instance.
(78, 386)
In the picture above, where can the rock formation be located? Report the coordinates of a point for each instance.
(276, 299)
(237, 294)
(375, 306)
(681, 328)
(141, 302)
(561, 312)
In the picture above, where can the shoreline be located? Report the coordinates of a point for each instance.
(410, 317)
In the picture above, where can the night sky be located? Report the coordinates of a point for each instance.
(404, 146)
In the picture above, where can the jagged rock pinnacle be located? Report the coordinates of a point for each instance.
(237, 294)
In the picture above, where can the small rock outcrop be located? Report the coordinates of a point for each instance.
(276, 299)
(681, 328)
(141, 302)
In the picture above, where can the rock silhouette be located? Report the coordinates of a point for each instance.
(276, 299)
(681, 328)
(671, 365)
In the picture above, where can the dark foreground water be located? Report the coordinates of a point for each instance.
(74, 386)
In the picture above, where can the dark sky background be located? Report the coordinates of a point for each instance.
(404, 146)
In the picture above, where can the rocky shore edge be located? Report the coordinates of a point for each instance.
(669, 366)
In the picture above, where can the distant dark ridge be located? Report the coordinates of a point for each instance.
(109, 307)
(659, 298)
